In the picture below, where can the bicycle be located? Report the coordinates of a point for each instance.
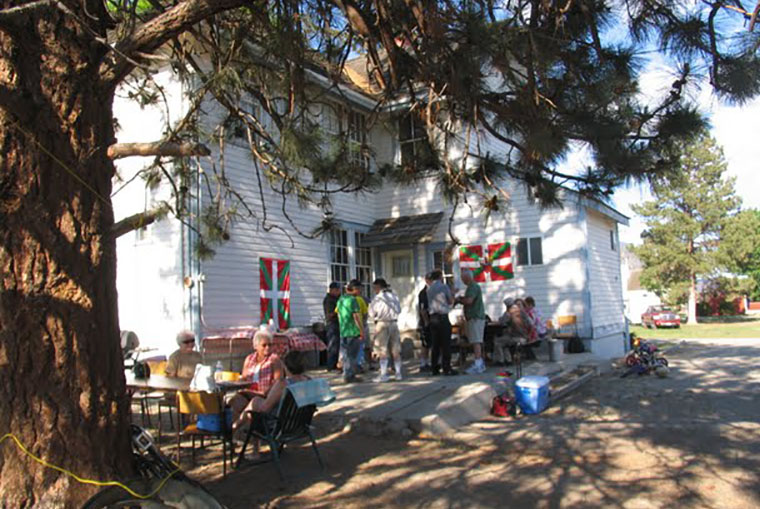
(160, 482)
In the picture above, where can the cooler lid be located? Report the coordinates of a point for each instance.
(533, 382)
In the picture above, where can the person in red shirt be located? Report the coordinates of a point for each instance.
(263, 369)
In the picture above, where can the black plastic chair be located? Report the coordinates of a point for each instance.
(288, 424)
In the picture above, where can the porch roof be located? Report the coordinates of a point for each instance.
(402, 230)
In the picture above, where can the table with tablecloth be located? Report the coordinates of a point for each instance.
(233, 345)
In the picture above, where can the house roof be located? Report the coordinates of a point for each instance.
(402, 230)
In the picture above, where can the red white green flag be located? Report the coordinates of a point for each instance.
(496, 265)
(274, 281)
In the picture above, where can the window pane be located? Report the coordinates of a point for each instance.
(438, 260)
(536, 255)
(405, 128)
(522, 252)
(402, 266)
(612, 240)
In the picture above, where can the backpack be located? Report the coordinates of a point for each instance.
(503, 406)
(575, 345)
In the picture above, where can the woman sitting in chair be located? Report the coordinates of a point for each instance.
(293, 373)
(518, 330)
(263, 369)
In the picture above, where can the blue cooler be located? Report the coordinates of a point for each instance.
(213, 422)
(532, 394)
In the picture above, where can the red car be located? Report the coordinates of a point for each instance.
(660, 316)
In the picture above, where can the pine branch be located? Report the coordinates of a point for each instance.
(152, 34)
(135, 221)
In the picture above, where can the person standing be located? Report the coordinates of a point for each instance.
(423, 327)
(384, 310)
(475, 314)
(364, 311)
(351, 330)
(332, 327)
(440, 301)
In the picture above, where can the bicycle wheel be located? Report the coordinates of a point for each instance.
(182, 492)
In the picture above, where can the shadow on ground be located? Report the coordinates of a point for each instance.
(690, 440)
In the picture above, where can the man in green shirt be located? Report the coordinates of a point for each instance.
(475, 313)
(351, 330)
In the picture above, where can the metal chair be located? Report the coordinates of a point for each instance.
(288, 424)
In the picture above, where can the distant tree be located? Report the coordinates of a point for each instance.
(741, 248)
(685, 223)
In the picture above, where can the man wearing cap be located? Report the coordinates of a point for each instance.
(475, 314)
(440, 301)
(384, 310)
(351, 330)
(332, 328)
(183, 361)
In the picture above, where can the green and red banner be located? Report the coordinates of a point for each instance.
(496, 265)
(274, 281)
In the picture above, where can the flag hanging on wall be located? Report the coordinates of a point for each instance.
(274, 281)
(496, 265)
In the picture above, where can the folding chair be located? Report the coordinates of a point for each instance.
(291, 421)
(195, 403)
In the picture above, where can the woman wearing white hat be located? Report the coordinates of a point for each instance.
(183, 361)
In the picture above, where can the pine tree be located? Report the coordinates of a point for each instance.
(685, 223)
(740, 249)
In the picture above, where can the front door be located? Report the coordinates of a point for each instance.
(398, 270)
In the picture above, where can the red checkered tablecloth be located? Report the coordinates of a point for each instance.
(301, 341)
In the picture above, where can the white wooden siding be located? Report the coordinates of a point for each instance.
(152, 299)
(604, 269)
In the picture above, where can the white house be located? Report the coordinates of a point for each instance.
(567, 258)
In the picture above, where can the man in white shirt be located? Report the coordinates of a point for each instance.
(384, 310)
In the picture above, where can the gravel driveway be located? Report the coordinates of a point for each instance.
(689, 440)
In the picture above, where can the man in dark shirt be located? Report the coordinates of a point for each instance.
(331, 325)
(423, 326)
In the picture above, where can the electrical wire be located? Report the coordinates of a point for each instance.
(87, 481)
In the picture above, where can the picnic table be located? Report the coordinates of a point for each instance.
(161, 383)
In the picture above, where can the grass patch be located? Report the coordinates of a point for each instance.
(746, 328)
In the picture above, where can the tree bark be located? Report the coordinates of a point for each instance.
(692, 311)
(62, 389)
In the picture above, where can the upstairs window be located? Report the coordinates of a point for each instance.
(413, 140)
(612, 239)
(530, 251)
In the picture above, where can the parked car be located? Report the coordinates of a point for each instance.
(660, 316)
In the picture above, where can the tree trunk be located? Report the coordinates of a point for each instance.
(61, 374)
(692, 312)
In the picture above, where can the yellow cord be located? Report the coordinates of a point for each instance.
(87, 481)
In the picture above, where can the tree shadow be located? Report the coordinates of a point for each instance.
(690, 440)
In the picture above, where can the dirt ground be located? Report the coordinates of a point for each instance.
(690, 440)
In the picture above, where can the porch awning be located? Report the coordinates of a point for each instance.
(402, 230)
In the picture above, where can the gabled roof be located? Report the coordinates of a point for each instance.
(402, 230)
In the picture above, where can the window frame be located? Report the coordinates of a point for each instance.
(355, 257)
(417, 136)
(448, 276)
(529, 251)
